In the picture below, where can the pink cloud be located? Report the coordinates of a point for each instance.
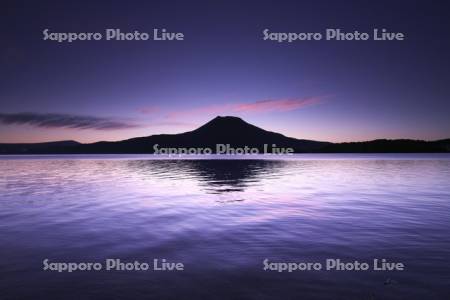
(148, 110)
(173, 123)
(261, 106)
(211, 109)
(276, 105)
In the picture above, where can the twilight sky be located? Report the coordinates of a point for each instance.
(322, 90)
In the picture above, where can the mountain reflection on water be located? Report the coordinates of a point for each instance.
(215, 176)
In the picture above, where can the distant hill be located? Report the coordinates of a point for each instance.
(225, 130)
(384, 146)
(30, 148)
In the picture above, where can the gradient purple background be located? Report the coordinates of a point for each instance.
(353, 90)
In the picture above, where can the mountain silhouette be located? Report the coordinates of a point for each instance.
(225, 130)
(221, 130)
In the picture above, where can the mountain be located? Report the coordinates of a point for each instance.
(221, 130)
(225, 130)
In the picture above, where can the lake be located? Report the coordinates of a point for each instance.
(222, 218)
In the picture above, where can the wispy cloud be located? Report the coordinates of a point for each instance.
(148, 110)
(210, 109)
(261, 106)
(65, 121)
(277, 105)
(170, 123)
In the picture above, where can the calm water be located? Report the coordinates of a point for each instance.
(221, 219)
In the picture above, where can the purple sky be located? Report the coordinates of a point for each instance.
(321, 90)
